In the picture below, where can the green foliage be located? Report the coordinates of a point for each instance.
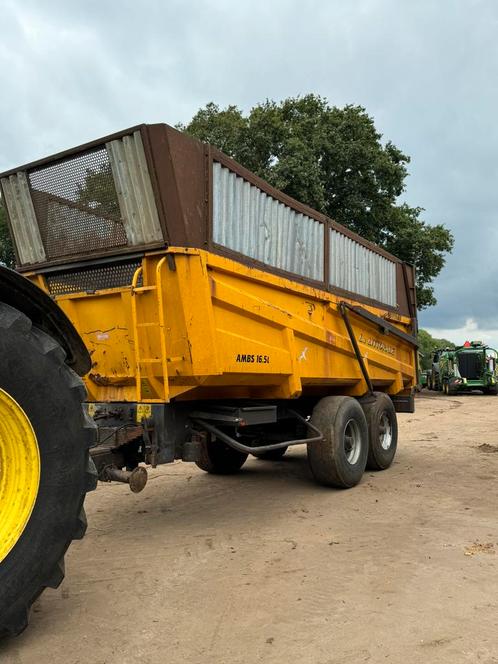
(427, 345)
(98, 192)
(6, 250)
(334, 160)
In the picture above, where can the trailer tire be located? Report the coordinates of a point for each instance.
(491, 390)
(340, 458)
(45, 435)
(272, 455)
(218, 458)
(382, 431)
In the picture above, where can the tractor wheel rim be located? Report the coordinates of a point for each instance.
(385, 432)
(352, 442)
(19, 472)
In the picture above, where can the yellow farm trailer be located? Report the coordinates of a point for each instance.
(222, 319)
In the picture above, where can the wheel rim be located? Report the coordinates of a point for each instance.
(352, 442)
(385, 431)
(19, 472)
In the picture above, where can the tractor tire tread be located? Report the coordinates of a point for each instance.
(77, 471)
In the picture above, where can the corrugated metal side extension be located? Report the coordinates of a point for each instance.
(354, 268)
(150, 186)
(252, 223)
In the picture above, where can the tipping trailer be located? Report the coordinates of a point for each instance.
(222, 317)
(472, 366)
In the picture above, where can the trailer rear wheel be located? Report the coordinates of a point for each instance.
(272, 455)
(382, 431)
(45, 469)
(339, 459)
(218, 458)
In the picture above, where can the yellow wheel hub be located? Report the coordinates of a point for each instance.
(19, 472)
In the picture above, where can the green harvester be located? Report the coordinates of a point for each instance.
(472, 366)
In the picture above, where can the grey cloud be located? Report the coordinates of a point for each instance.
(425, 70)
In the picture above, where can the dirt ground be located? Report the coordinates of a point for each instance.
(268, 567)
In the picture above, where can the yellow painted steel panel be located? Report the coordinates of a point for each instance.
(202, 326)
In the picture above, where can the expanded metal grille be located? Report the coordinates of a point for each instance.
(113, 275)
(76, 205)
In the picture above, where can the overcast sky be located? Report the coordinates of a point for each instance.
(426, 70)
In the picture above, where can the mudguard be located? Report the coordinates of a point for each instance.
(19, 292)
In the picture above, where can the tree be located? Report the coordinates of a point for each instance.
(6, 250)
(427, 344)
(334, 160)
(98, 193)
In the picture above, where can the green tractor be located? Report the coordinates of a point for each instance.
(472, 366)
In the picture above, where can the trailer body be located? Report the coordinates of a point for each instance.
(208, 300)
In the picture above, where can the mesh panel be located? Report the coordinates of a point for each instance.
(77, 206)
(470, 365)
(91, 279)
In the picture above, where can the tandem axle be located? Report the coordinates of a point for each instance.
(131, 434)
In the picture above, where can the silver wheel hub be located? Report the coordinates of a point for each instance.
(352, 442)
(385, 432)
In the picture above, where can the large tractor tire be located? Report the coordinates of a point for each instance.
(45, 469)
